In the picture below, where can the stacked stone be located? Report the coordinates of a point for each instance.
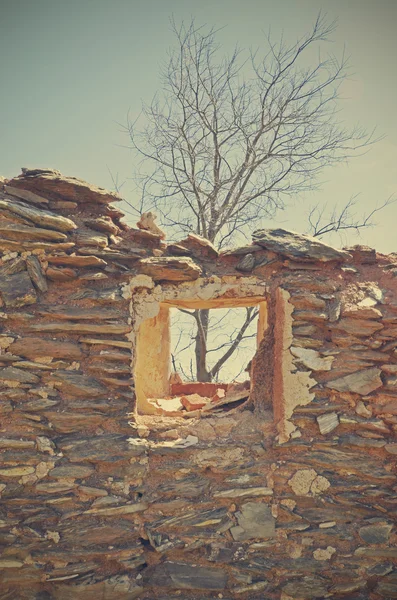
(293, 497)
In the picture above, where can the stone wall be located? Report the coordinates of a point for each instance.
(293, 496)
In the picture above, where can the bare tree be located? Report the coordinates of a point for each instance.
(229, 139)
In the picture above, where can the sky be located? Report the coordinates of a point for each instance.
(71, 70)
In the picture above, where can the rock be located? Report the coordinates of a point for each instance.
(89, 237)
(56, 274)
(126, 509)
(17, 290)
(118, 587)
(361, 382)
(22, 232)
(147, 222)
(362, 255)
(79, 328)
(188, 576)
(104, 224)
(76, 384)
(376, 533)
(56, 186)
(15, 444)
(16, 471)
(13, 374)
(71, 472)
(36, 273)
(387, 586)
(307, 588)
(358, 327)
(244, 492)
(13, 266)
(362, 410)
(43, 218)
(199, 246)
(77, 261)
(100, 448)
(362, 312)
(327, 422)
(24, 246)
(25, 195)
(38, 347)
(296, 245)
(391, 448)
(246, 264)
(311, 359)
(75, 313)
(170, 268)
(254, 521)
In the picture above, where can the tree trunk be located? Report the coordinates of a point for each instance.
(202, 318)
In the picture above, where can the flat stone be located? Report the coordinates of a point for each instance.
(75, 313)
(100, 448)
(16, 471)
(14, 374)
(376, 533)
(36, 273)
(188, 576)
(246, 264)
(104, 224)
(17, 290)
(89, 237)
(23, 232)
(55, 186)
(80, 328)
(76, 384)
(38, 347)
(297, 246)
(170, 268)
(254, 521)
(71, 471)
(25, 195)
(77, 261)
(306, 587)
(127, 509)
(327, 422)
(361, 382)
(244, 492)
(43, 218)
(311, 359)
(358, 327)
(16, 444)
(59, 274)
(199, 246)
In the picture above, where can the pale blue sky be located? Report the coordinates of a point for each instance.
(71, 70)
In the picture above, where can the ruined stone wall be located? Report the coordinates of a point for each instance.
(293, 497)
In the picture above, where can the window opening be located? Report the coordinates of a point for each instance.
(166, 378)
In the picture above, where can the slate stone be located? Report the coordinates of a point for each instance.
(306, 587)
(36, 347)
(17, 290)
(43, 218)
(103, 448)
(188, 576)
(376, 533)
(246, 264)
(296, 245)
(254, 521)
(170, 268)
(361, 382)
(76, 384)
